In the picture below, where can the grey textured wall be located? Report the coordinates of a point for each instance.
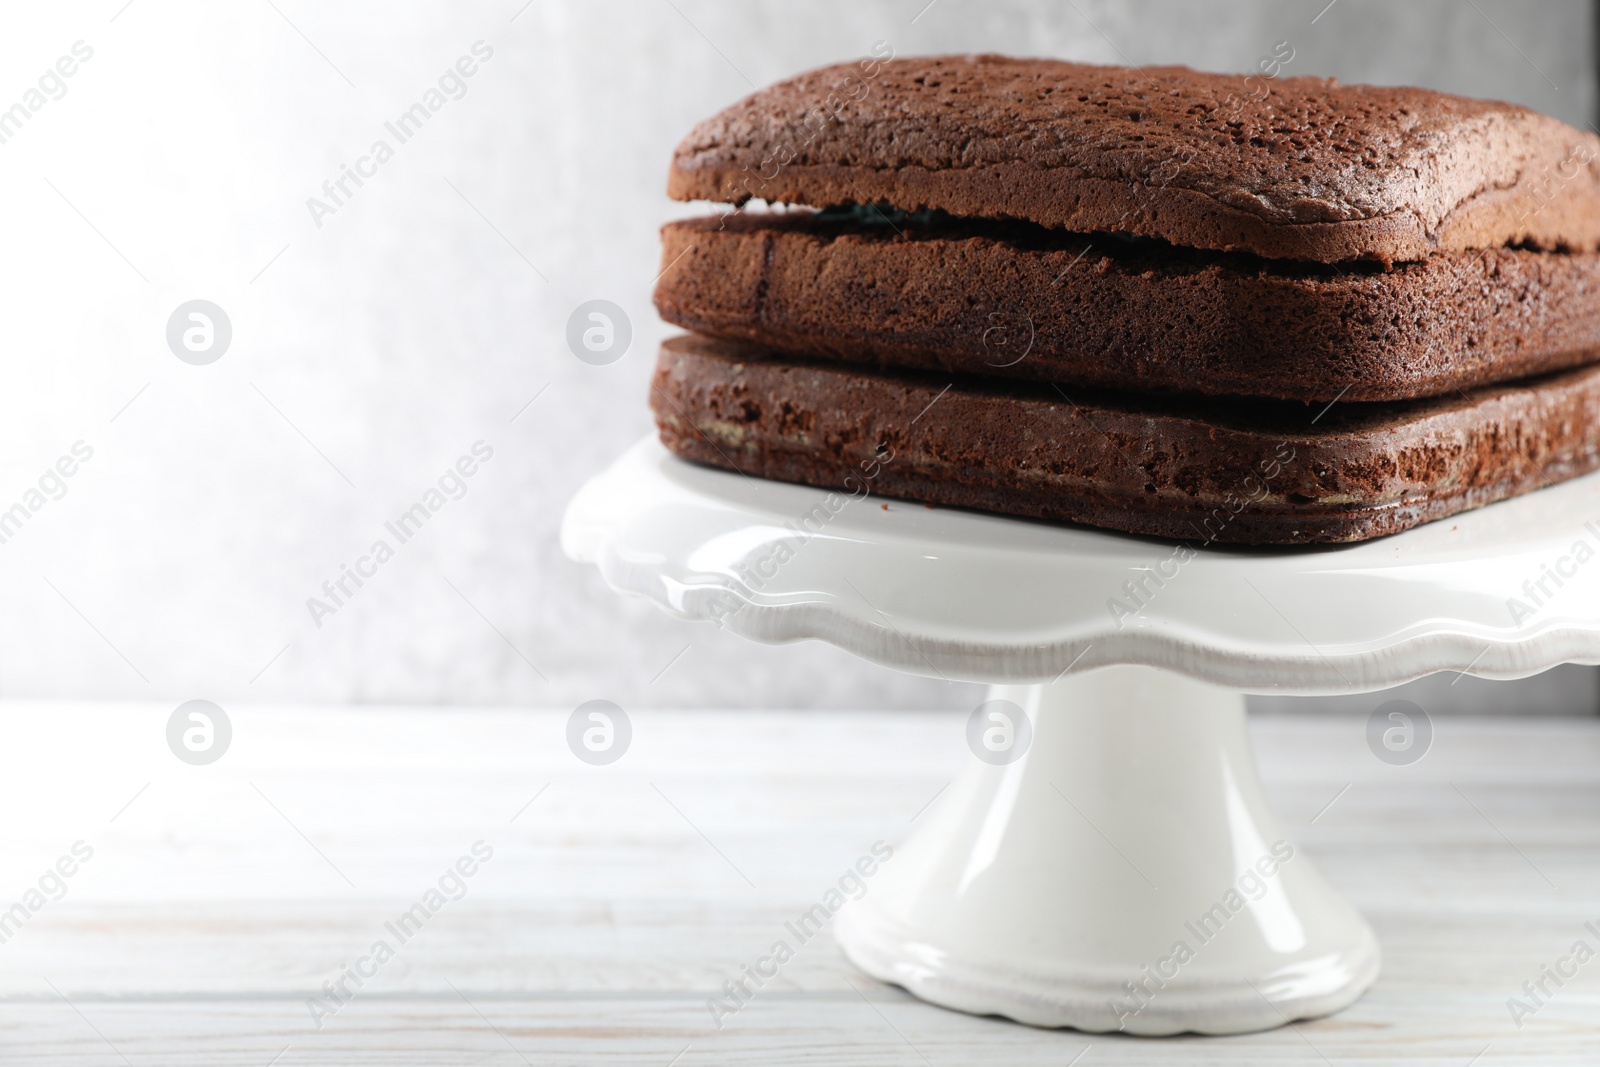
(373, 350)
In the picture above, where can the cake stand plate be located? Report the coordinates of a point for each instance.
(1107, 860)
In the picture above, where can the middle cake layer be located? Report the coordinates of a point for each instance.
(1024, 302)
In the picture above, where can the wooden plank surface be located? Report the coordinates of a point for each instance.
(219, 899)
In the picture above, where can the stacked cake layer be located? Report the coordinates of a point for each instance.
(1138, 299)
(1022, 301)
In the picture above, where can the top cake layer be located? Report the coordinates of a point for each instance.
(1296, 168)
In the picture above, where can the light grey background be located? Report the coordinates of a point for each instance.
(369, 353)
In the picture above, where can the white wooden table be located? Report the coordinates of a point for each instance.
(619, 899)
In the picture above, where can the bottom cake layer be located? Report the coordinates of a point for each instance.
(1239, 472)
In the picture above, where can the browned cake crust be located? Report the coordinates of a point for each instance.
(1027, 302)
(1231, 472)
(1299, 168)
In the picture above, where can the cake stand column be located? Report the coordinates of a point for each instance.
(1122, 873)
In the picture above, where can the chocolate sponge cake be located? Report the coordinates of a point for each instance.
(1212, 471)
(1219, 308)
(1307, 169)
(1023, 301)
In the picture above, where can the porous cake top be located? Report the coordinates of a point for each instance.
(1302, 168)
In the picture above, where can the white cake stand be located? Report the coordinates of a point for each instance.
(1119, 869)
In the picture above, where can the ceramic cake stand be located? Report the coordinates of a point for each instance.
(1107, 859)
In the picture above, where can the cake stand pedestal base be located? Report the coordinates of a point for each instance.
(1122, 873)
